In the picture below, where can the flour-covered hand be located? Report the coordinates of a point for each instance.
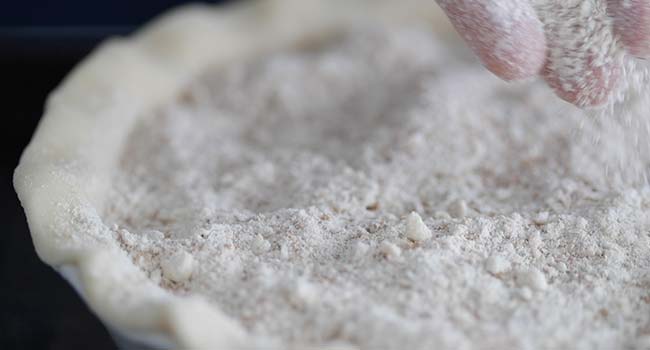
(575, 45)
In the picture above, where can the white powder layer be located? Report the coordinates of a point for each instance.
(383, 192)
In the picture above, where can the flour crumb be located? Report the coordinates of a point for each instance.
(525, 293)
(302, 294)
(153, 235)
(359, 250)
(416, 230)
(178, 267)
(497, 265)
(458, 208)
(126, 237)
(541, 218)
(261, 245)
(441, 215)
(533, 279)
(390, 250)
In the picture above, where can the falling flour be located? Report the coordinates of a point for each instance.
(383, 191)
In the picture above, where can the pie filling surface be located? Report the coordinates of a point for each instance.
(382, 190)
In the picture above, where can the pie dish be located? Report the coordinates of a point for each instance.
(65, 172)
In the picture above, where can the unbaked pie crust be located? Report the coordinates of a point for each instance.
(65, 172)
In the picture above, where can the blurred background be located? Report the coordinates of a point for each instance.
(40, 41)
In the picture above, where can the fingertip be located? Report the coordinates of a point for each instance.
(591, 88)
(512, 47)
(518, 55)
(632, 24)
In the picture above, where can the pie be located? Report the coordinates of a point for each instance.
(294, 174)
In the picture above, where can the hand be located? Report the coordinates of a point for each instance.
(510, 40)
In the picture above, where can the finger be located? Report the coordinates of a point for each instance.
(584, 64)
(632, 24)
(586, 82)
(506, 35)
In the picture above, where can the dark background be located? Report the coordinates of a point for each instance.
(40, 41)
